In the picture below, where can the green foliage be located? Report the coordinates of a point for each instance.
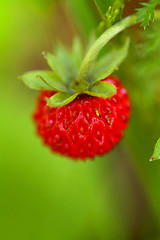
(39, 80)
(60, 99)
(77, 52)
(149, 72)
(102, 89)
(151, 42)
(113, 58)
(114, 12)
(101, 42)
(46, 196)
(156, 153)
(80, 86)
(149, 62)
(147, 12)
(65, 78)
(105, 6)
(57, 66)
(111, 12)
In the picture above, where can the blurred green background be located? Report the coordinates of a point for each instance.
(45, 196)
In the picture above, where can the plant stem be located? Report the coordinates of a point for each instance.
(104, 39)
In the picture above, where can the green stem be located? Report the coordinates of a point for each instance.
(104, 39)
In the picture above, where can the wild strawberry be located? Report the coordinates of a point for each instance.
(85, 127)
(78, 114)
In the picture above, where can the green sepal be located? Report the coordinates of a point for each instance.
(102, 89)
(56, 65)
(65, 78)
(69, 63)
(156, 153)
(65, 57)
(77, 52)
(99, 89)
(65, 64)
(110, 62)
(60, 99)
(46, 80)
(80, 86)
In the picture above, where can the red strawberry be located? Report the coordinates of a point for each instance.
(78, 114)
(85, 127)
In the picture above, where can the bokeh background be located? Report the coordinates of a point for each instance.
(45, 196)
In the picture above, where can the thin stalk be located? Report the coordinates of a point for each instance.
(104, 39)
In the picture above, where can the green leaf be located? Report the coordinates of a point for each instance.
(107, 72)
(60, 99)
(102, 89)
(57, 66)
(112, 60)
(64, 56)
(43, 80)
(147, 12)
(64, 63)
(69, 66)
(156, 153)
(77, 52)
(101, 42)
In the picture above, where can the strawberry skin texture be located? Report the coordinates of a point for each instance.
(87, 126)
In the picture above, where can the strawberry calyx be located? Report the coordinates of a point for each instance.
(80, 86)
(72, 75)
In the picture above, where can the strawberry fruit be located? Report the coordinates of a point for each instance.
(80, 113)
(85, 127)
